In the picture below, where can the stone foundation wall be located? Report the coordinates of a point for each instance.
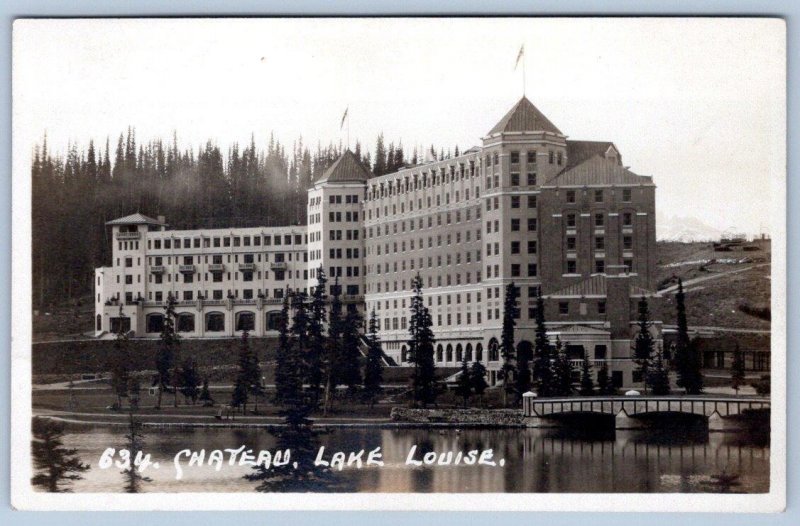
(466, 417)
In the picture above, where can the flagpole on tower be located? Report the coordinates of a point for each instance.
(346, 117)
(521, 56)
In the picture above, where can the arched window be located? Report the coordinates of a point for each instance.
(479, 352)
(494, 350)
(459, 353)
(449, 353)
(215, 322)
(185, 322)
(245, 321)
(155, 322)
(439, 353)
(99, 322)
(469, 352)
(273, 320)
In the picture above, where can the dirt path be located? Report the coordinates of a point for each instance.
(694, 281)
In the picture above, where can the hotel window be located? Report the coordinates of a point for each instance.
(570, 196)
(571, 267)
(515, 270)
(531, 201)
(247, 276)
(560, 158)
(627, 219)
(129, 279)
(626, 195)
(515, 247)
(157, 244)
(628, 264)
(532, 270)
(599, 243)
(571, 220)
(570, 243)
(531, 224)
(514, 157)
(197, 242)
(515, 225)
(496, 159)
(599, 219)
(267, 241)
(627, 242)
(563, 307)
(167, 243)
(515, 179)
(599, 266)
(514, 201)
(531, 156)
(598, 196)
(531, 247)
(226, 241)
(128, 262)
(188, 278)
(550, 156)
(531, 179)
(246, 241)
(601, 307)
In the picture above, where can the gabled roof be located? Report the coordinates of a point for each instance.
(135, 219)
(346, 169)
(580, 151)
(595, 286)
(524, 117)
(597, 170)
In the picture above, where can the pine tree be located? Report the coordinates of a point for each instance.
(477, 377)
(190, 380)
(249, 374)
(134, 392)
(543, 355)
(166, 358)
(687, 360)
(334, 346)
(296, 404)
(373, 370)
(644, 344)
(464, 385)
(239, 394)
(604, 385)
(658, 374)
(350, 369)
(120, 363)
(507, 353)
(587, 384)
(285, 377)
(56, 465)
(379, 166)
(421, 346)
(562, 371)
(318, 357)
(737, 369)
(205, 393)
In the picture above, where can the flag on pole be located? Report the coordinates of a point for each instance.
(344, 117)
(519, 56)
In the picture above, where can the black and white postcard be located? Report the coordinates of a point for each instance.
(399, 263)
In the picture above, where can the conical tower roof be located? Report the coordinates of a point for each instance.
(524, 117)
(346, 169)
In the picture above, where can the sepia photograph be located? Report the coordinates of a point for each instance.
(399, 263)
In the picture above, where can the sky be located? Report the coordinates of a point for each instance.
(699, 104)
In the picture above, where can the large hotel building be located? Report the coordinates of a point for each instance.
(561, 218)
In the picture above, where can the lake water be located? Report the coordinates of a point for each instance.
(535, 460)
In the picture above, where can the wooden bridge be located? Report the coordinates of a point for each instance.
(629, 412)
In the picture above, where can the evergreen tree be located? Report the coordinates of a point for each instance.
(239, 394)
(318, 356)
(507, 353)
(421, 346)
(587, 384)
(562, 371)
(166, 358)
(464, 385)
(379, 166)
(190, 380)
(296, 404)
(120, 363)
(737, 369)
(543, 354)
(644, 344)
(604, 385)
(134, 439)
(57, 467)
(285, 377)
(334, 346)
(134, 392)
(205, 393)
(658, 374)
(687, 359)
(373, 370)
(477, 376)
(349, 367)
(249, 374)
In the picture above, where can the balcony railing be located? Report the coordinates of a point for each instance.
(125, 236)
(278, 265)
(158, 269)
(187, 269)
(216, 267)
(247, 267)
(353, 298)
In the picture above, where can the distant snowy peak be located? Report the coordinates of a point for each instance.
(684, 229)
